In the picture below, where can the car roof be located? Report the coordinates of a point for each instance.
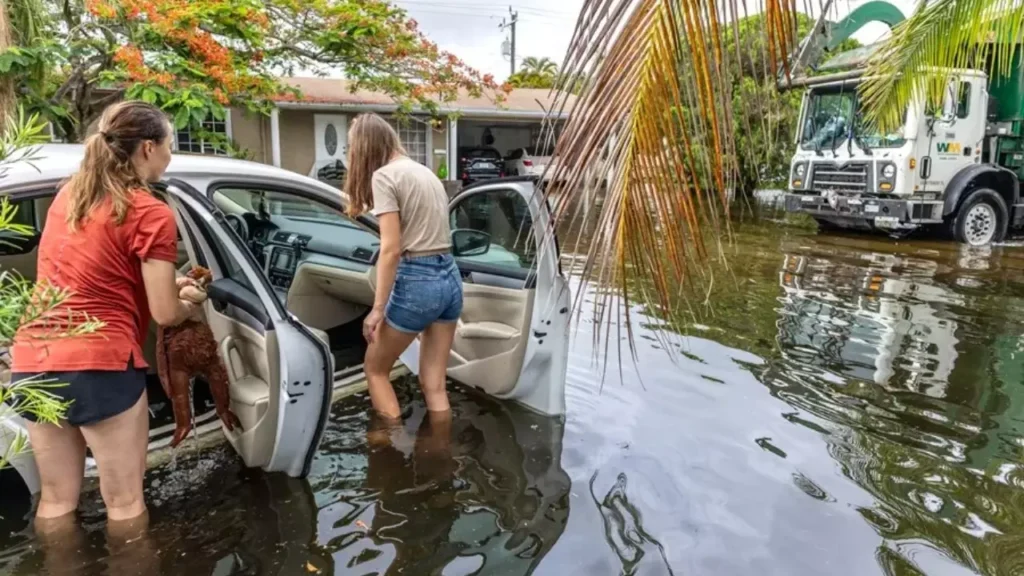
(59, 161)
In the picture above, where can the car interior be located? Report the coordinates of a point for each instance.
(321, 264)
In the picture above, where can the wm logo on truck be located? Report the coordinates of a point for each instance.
(948, 147)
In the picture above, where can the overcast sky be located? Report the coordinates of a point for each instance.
(470, 28)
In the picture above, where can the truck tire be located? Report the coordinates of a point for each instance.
(981, 219)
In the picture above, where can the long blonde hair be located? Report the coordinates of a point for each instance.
(107, 170)
(372, 144)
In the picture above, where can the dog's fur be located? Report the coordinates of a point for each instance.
(188, 350)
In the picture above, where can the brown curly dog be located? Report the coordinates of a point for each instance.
(188, 350)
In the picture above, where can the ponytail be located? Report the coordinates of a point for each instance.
(107, 170)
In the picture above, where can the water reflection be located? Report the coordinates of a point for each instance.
(638, 551)
(918, 391)
(478, 491)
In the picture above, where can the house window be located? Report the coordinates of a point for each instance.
(185, 141)
(413, 136)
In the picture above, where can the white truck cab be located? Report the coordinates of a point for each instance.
(931, 171)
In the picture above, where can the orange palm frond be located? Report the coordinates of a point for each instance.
(654, 118)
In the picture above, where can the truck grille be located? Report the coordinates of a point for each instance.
(848, 178)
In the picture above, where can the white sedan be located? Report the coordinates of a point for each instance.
(293, 279)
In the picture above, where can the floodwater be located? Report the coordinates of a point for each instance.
(843, 405)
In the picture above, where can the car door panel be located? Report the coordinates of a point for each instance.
(280, 372)
(512, 338)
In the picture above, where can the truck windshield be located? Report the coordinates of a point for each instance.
(827, 120)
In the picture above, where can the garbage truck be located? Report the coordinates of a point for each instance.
(955, 170)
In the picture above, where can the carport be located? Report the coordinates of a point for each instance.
(502, 135)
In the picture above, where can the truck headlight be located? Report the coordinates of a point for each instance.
(801, 169)
(888, 171)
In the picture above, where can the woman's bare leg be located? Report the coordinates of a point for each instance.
(131, 548)
(380, 358)
(60, 455)
(435, 348)
(64, 545)
(119, 445)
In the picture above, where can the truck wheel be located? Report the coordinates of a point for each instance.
(981, 219)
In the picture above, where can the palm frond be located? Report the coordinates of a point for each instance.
(654, 118)
(942, 35)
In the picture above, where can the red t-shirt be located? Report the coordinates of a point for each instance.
(100, 264)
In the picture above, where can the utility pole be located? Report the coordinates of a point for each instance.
(511, 24)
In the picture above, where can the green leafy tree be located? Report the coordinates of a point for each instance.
(194, 58)
(535, 73)
(544, 66)
(24, 303)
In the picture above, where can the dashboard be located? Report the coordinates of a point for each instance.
(283, 243)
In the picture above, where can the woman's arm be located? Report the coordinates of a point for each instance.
(162, 293)
(387, 259)
(387, 266)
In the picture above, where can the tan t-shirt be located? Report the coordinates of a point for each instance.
(411, 189)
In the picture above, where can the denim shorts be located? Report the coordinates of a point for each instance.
(427, 289)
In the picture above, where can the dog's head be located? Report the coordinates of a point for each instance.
(201, 275)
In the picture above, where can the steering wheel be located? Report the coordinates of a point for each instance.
(238, 223)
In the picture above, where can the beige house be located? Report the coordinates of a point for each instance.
(309, 136)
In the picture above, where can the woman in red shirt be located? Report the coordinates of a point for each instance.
(113, 246)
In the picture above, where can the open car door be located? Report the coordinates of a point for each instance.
(512, 340)
(280, 372)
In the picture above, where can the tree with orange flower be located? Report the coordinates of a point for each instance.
(196, 58)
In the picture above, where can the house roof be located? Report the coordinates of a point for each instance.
(338, 92)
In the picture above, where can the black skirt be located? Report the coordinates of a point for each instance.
(95, 395)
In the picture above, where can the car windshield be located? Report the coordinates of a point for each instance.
(287, 206)
(487, 153)
(829, 114)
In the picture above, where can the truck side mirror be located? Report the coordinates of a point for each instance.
(993, 108)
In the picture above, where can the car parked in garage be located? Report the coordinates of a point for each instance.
(524, 162)
(293, 279)
(479, 164)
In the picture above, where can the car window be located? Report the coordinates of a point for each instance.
(505, 217)
(25, 212)
(284, 204)
(515, 154)
(484, 153)
(229, 265)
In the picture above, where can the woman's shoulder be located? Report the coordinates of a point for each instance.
(146, 204)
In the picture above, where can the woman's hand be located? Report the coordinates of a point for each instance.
(372, 324)
(191, 293)
(182, 281)
(193, 310)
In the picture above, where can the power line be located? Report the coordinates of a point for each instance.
(526, 9)
(414, 10)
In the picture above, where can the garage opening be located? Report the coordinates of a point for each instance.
(494, 148)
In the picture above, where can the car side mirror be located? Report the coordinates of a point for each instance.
(470, 243)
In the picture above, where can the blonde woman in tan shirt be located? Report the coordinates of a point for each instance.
(419, 289)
